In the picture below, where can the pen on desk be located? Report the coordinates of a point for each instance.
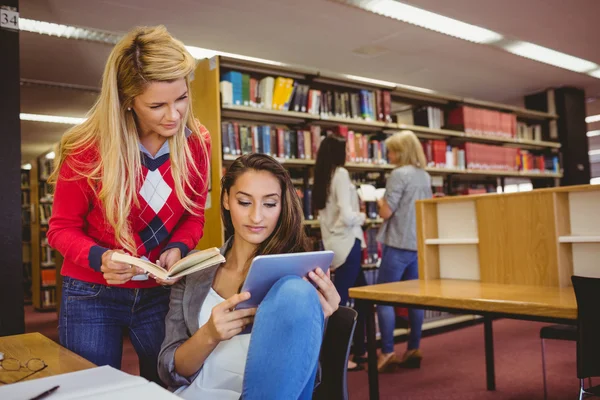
(45, 394)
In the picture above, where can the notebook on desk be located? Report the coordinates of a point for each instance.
(101, 383)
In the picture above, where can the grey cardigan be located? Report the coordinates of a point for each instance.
(187, 297)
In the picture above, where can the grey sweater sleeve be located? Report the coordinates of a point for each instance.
(176, 333)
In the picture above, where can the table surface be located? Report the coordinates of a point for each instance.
(35, 345)
(548, 302)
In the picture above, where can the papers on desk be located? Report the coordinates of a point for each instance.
(101, 383)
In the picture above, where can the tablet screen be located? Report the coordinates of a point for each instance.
(266, 270)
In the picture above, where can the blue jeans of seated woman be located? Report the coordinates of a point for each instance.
(94, 317)
(348, 275)
(398, 265)
(285, 344)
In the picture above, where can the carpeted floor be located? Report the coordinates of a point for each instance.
(453, 367)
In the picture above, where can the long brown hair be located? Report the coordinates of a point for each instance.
(288, 235)
(332, 154)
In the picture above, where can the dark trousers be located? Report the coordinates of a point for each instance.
(347, 275)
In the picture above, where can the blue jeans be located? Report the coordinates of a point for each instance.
(347, 275)
(398, 265)
(285, 344)
(94, 317)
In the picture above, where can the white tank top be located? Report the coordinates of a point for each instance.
(222, 374)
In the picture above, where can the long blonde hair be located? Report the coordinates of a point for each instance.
(144, 55)
(408, 149)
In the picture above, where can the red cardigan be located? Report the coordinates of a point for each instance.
(79, 231)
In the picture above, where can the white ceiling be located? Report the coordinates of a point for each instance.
(316, 33)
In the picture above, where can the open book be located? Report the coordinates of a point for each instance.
(193, 262)
(369, 193)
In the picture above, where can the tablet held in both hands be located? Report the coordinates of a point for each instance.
(193, 262)
(266, 270)
(369, 193)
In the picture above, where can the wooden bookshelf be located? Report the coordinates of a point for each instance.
(26, 233)
(228, 159)
(207, 107)
(276, 116)
(45, 261)
(540, 238)
(210, 111)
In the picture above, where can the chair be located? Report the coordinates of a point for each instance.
(556, 332)
(587, 293)
(334, 355)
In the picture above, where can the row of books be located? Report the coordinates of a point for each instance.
(363, 148)
(286, 94)
(24, 179)
(45, 212)
(479, 121)
(25, 197)
(48, 277)
(281, 142)
(46, 167)
(48, 297)
(367, 105)
(529, 132)
(432, 117)
(479, 156)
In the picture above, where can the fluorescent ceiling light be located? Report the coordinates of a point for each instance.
(97, 35)
(593, 133)
(51, 118)
(595, 74)
(428, 20)
(68, 31)
(50, 156)
(416, 88)
(592, 118)
(26, 166)
(390, 85)
(549, 56)
(594, 152)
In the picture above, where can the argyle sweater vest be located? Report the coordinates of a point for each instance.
(81, 233)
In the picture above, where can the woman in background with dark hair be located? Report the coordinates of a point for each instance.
(336, 201)
(204, 356)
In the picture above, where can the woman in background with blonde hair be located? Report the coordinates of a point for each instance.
(407, 183)
(131, 178)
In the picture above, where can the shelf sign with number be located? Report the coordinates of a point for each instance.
(9, 19)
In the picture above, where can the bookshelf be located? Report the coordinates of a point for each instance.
(336, 102)
(45, 261)
(26, 233)
(541, 237)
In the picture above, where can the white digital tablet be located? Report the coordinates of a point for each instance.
(266, 270)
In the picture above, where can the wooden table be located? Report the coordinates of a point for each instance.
(533, 303)
(35, 345)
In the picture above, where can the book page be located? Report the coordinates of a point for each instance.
(216, 259)
(143, 264)
(192, 259)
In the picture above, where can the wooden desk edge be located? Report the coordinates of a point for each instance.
(470, 305)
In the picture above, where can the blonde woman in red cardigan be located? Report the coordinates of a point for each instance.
(132, 178)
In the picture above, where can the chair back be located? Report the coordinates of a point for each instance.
(334, 355)
(587, 293)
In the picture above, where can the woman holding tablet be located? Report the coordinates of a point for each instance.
(204, 356)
